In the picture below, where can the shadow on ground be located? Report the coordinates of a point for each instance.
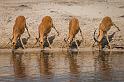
(19, 44)
(104, 40)
(51, 38)
(73, 44)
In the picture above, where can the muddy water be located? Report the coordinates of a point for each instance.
(44, 66)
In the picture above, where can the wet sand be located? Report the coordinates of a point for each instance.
(36, 50)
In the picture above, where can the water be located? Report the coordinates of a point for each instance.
(48, 66)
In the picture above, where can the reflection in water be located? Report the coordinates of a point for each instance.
(73, 66)
(104, 65)
(73, 63)
(18, 65)
(45, 64)
(48, 66)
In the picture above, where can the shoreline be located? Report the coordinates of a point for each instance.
(37, 50)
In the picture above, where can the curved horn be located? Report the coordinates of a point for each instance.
(94, 36)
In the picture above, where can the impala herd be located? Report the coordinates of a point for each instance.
(47, 24)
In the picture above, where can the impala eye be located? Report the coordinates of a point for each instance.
(13, 43)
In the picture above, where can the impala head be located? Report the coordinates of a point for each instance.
(41, 42)
(14, 43)
(14, 40)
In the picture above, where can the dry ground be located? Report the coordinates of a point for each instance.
(89, 13)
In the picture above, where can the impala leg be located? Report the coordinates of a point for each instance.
(22, 43)
(116, 27)
(66, 40)
(100, 37)
(81, 34)
(56, 30)
(27, 31)
(100, 45)
(108, 41)
(48, 43)
(76, 44)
